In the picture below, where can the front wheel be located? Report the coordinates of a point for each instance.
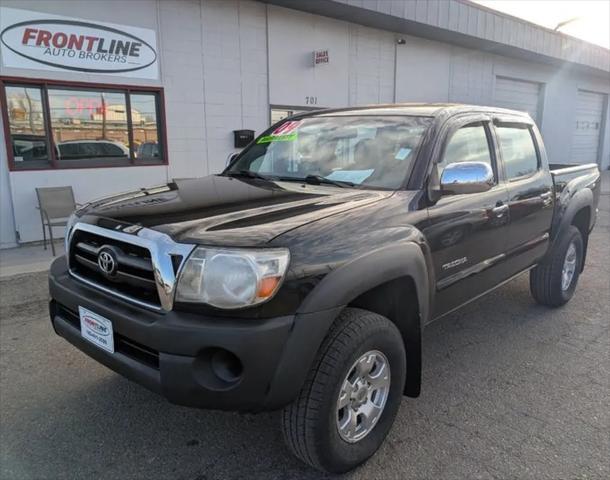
(351, 396)
(553, 283)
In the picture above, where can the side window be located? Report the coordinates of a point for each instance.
(518, 151)
(81, 127)
(112, 150)
(468, 144)
(27, 126)
(68, 150)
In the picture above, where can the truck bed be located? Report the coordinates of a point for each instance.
(569, 168)
(571, 179)
(585, 175)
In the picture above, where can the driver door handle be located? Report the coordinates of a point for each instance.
(546, 198)
(500, 210)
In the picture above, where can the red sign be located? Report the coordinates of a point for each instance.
(286, 128)
(75, 106)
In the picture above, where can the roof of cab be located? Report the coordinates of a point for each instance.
(413, 109)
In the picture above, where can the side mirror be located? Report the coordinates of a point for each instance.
(467, 177)
(230, 158)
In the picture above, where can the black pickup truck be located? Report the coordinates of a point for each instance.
(301, 277)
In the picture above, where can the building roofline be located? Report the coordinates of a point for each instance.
(514, 18)
(466, 24)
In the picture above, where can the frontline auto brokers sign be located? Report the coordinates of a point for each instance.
(50, 42)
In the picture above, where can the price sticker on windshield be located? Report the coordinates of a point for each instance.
(286, 132)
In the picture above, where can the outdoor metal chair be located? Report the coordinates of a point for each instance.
(56, 204)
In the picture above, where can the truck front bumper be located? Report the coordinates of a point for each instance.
(194, 360)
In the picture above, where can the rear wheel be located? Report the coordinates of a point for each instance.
(553, 283)
(351, 396)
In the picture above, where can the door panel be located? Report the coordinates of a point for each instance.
(467, 238)
(467, 232)
(530, 195)
(531, 214)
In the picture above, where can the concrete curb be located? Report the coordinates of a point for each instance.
(7, 272)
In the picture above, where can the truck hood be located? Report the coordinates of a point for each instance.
(228, 211)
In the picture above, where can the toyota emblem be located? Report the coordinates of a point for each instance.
(107, 262)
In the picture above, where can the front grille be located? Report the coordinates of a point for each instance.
(134, 275)
(125, 346)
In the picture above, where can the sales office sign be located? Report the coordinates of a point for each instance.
(50, 42)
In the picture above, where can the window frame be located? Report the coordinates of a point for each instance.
(489, 135)
(45, 84)
(519, 125)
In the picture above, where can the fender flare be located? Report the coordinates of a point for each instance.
(567, 210)
(336, 290)
(360, 275)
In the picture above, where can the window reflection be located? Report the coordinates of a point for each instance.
(26, 126)
(58, 126)
(518, 151)
(468, 144)
(363, 150)
(89, 125)
(145, 130)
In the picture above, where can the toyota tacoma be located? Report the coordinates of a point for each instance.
(300, 278)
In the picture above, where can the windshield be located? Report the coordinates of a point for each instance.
(374, 151)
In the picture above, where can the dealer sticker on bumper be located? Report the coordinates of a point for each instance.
(96, 329)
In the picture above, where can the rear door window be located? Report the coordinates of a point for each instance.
(518, 150)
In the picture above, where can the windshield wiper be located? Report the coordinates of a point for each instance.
(311, 179)
(317, 180)
(248, 174)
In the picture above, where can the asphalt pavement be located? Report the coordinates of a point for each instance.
(510, 390)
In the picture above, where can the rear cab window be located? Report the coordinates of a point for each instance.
(518, 150)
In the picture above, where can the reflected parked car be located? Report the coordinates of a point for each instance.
(90, 149)
(29, 147)
(148, 150)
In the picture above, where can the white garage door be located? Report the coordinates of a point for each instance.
(588, 125)
(518, 95)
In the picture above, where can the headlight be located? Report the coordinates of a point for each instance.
(71, 221)
(231, 278)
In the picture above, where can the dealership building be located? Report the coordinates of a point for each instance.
(107, 96)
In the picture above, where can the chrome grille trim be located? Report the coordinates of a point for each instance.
(123, 259)
(127, 298)
(161, 248)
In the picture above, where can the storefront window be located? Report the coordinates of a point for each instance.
(57, 126)
(27, 126)
(89, 126)
(145, 127)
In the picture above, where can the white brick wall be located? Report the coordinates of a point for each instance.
(182, 77)
(293, 37)
(471, 77)
(421, 59)
(234, 46)
(371, 66)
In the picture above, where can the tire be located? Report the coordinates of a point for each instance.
(546, 279)
(310, 423)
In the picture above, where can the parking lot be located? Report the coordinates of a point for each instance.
(510, 390)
